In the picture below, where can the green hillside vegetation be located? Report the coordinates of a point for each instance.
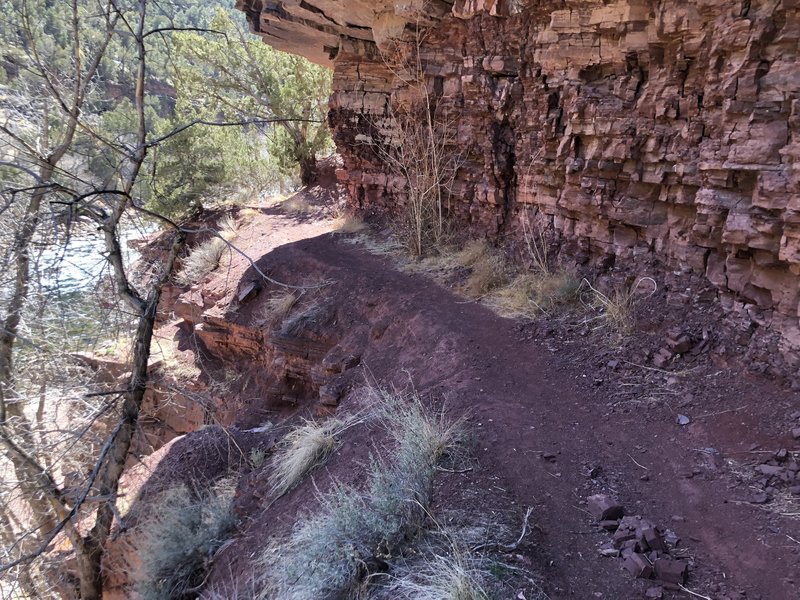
(115, 116)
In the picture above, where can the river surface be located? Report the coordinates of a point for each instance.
(80, 264)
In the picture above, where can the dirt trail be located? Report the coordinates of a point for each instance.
(549, 430)
(529, 402)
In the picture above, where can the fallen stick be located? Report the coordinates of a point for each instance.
(695, 594)
(637, 464)
(515, 545)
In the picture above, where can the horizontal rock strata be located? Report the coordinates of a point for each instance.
(653, 137)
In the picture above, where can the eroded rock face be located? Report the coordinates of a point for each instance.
(653, 137)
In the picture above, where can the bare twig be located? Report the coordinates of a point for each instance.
(443, 470)
(695, 594)
(651, 368)
(637, 463)
(508, 547)
(721, 412)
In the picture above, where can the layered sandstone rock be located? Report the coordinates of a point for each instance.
(653, 137)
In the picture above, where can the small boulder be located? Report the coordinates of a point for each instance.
(654, 593)
(671, 571)
(605, 508)
(638, 566)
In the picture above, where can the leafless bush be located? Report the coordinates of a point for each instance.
(418, 142)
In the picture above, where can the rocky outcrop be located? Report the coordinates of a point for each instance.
(306, 362)
(661, 138)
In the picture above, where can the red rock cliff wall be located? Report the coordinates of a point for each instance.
(647, 134)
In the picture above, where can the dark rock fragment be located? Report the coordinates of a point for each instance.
(604, 507)
(770, 470)
(653, 539)
(638, 566)
(671, 571)
(610, 524)
(654, 593)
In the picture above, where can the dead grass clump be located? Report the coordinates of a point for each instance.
(349, 223)
(179, 540)
(531, 294)
(473, 252)
(296, 205)
(248, 213)
(488, 273)
(276, 309)
(487, 266)
(388, 246)
(618, 307)
(180, 365)
(463, 560)
(457, 576)
(303, 449)
(331, 553)
(205, 258)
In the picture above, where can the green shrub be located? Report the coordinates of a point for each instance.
(179, 541)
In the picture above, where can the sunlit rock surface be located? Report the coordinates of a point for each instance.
(657, 138)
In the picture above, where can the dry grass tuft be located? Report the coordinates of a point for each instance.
(413, 426)
(387, 246)
(248, 213)
(331, 553)
(473, 252)
(205, 258)
(487, 266)
(181, 365)
(304, 448)
(618, 307)
(536, 244)
(457, 576)
(349, 223)
(296, 205)
(276, 309)
(531, 294)
(538, 291)
(488, 271)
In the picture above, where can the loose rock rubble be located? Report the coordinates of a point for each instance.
(646, 551)
(781, 471)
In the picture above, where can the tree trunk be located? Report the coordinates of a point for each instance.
(24, 578)
(90, 561)
(308, 168)
(19, 295)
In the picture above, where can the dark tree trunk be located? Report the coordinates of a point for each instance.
(308, 169)
(90, 561)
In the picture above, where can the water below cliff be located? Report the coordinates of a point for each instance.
(79, 263)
